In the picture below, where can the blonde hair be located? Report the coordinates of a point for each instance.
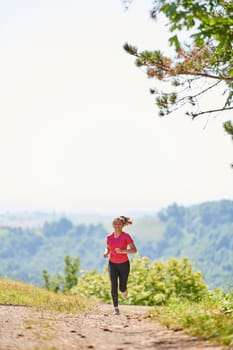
(125, 220)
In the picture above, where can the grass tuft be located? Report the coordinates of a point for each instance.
(207, 319)
(20, 293)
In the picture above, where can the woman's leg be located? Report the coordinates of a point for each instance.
(124, 269)
(113, 273)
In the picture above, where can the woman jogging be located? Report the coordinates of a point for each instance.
(119, 245)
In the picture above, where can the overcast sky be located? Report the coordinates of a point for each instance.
(79, 129)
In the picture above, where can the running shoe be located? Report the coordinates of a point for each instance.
(116, 311)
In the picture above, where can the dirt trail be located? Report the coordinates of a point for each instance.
(25, 328)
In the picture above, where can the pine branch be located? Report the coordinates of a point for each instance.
(194, 115)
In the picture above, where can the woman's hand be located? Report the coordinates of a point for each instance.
(106, 253)
(132, 249)
(118, 250)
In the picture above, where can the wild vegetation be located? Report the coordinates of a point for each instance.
(26, 252)
(189, 305)
(201, 232)
(204, 234)
(150, 282)
(211, 318)
(20, 293)
(202, 60)
(180, 297)
(203, 56)
(64, 282)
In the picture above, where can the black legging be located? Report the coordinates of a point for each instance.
(120, 271)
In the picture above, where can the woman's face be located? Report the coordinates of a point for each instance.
(117, 224)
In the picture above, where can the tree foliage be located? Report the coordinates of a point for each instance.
(63, 283)
(228, 126)
(203, 63)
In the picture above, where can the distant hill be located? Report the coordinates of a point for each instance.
(203, 233)
(31, 242)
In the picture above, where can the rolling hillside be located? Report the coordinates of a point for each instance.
(36, 241)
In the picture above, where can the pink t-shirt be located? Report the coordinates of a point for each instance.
(121, 242)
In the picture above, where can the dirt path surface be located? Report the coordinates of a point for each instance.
(25, 328)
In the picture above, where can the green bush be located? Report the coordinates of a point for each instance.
(150, 282)
(94, 284)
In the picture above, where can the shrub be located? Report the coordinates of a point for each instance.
(150, 282)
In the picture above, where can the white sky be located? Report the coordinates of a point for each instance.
(79, 130)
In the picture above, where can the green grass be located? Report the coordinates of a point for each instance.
(20, 293)
(211, 319)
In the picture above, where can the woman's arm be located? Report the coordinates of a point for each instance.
(132, 249)
(106, 253)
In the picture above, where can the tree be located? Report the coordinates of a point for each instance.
(66, 282)
(197, 67)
